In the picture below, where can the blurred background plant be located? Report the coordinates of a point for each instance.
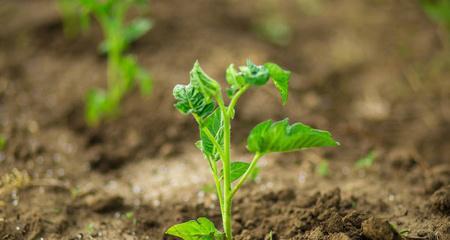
(438, 10)
(123, 70)
(272, 25)
(75, 18)
(3, 142)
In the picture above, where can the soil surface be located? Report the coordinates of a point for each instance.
(374, 73)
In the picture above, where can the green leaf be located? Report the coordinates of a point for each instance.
(214, 124)
(367, 161)
(206, 85)
(128, 71)
(190, 100)
(96, 102)
(137, 29)
(200, 229)
(279, 136)
(145, 81)
(280, 78)
(234, 79)
(237, 170)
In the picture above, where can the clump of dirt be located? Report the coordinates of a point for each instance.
(377, 229)
(440, 200)
(320, 216)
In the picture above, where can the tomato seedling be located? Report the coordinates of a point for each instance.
(203, 99)
(123, 70)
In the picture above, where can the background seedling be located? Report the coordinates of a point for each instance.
(123, 70)
(272, 25)
(3, 142)
(323, 168)
(367, 161)
(203, 99)
(401, 232)
(75, 18)
(90, 228)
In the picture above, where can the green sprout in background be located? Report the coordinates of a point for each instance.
(271, 24)
(275, 29)
(323, 168)
(75, 18)
(367, 161)
(439, 10)
(123, 70)
(3, 142)
(203, 99)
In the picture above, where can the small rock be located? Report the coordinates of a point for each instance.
(377, 229)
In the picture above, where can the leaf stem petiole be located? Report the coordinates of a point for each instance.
(247, 173)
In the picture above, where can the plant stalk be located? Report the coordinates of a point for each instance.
(226, 215)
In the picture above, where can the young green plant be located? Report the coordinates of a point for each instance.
(123, 70)
(203, 99)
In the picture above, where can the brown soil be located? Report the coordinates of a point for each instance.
(374, 73)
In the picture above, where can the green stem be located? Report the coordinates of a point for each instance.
(226, 167)
(212, 163)
(236, 98)
(246, 174)
(214, 172)
(226, 215)
(227, 115)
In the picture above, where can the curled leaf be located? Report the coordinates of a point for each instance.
(206, 85)
(280, 79)
(256, 75)
(190, 100)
